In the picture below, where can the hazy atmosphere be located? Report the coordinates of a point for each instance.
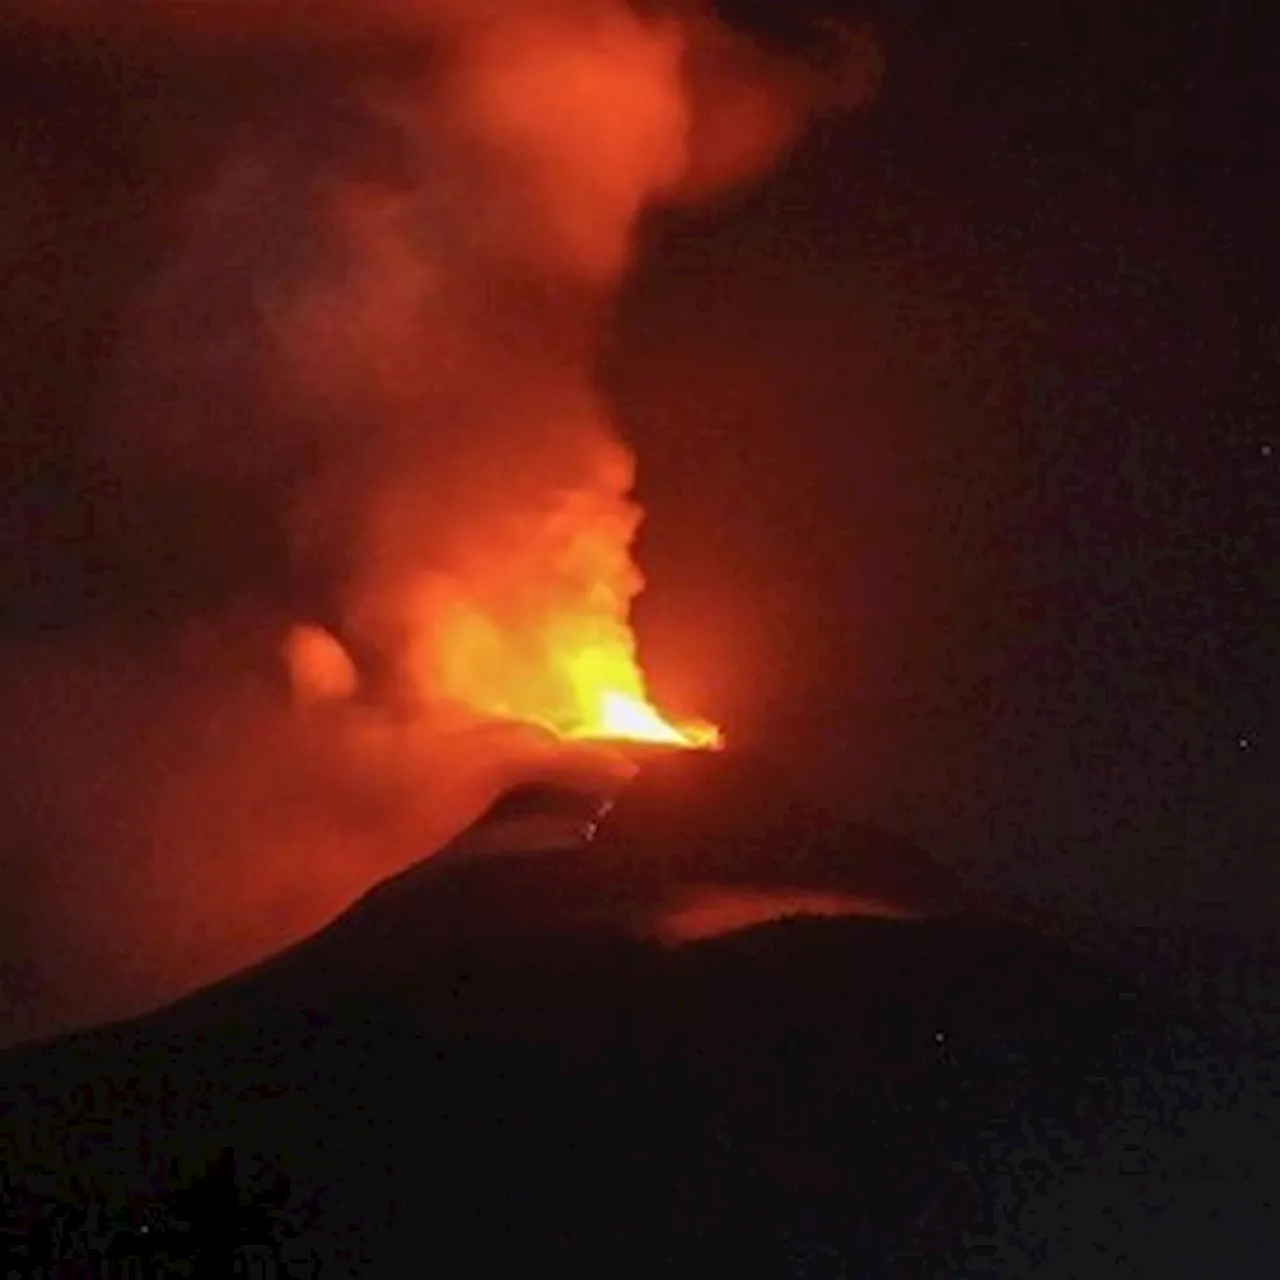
(889, 387)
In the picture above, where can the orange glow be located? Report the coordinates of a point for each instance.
(568, 666)
(533, 623)
(711, 911)
(320, 669)
(622, 716)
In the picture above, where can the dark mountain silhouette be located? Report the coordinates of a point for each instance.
(511, 1061)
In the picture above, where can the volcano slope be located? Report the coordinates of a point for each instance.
(731, 1034)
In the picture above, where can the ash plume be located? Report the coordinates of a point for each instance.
(401, 314)
(380, 306)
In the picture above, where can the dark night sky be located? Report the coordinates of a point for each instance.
(957, 437)
(977, 401)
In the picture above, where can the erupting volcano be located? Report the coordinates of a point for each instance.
(471, 502)
(353, 393)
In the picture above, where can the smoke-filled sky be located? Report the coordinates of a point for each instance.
(939, 356)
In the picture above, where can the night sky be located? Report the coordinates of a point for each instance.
(977, 400)
(957, 436)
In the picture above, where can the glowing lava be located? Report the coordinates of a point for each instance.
(622, 716)
(596, 693)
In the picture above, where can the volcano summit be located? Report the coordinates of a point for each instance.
(692, 1023)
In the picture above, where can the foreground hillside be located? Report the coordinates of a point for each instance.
(504, 1063)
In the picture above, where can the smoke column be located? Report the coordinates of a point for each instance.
(402, 313)
(382, 306)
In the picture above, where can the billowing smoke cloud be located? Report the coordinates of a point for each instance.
(382, 306)
(412, 337)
